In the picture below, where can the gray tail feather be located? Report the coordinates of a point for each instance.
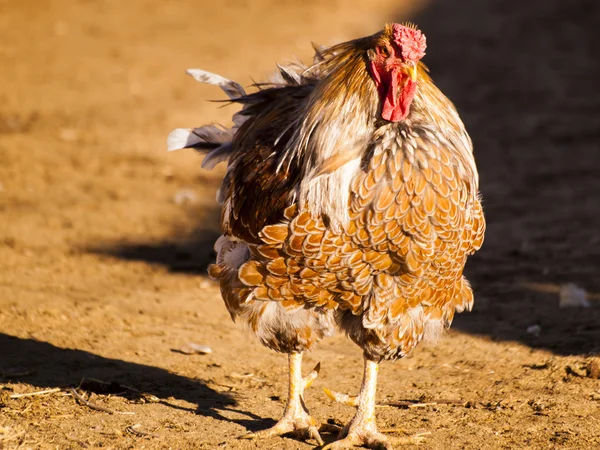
(219, 154)
(212, 138)
(231, 88)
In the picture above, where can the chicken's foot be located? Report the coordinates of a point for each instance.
(362, 429)
(296, 418)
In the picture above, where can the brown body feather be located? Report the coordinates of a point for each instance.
(332, 215)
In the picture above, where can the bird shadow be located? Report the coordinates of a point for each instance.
(47, 366)
(521, 74)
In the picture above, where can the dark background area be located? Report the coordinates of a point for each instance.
(524, 78)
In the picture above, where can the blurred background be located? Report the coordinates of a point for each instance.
(105, 238)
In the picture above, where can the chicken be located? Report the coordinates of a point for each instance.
(350, 202)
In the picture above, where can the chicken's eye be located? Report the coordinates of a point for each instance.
(383, 51)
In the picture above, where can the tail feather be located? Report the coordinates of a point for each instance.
(231, 88)
(289, 76)
(207, 137)
(216, 156)
(211, 138)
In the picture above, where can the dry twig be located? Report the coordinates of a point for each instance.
(93, 406)
(31, 394)
(133, 429)
(415, 404)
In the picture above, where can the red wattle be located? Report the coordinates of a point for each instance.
(390, 102)
(397, 101)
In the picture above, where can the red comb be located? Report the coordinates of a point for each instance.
(411, 41)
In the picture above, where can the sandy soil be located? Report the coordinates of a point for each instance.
(105, 238)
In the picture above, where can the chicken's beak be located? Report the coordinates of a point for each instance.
(411, 70)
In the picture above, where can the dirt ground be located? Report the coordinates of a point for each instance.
(105, 238)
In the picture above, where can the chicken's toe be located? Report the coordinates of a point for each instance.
(361, 438)
(284, 426)
(303, 427)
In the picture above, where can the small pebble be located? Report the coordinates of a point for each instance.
(593, 370)
(241, 375)
(185, 196)
(534, 330)
(195, 349)
(68, 134)
(168, 172)
(572, 296)
(205, 284)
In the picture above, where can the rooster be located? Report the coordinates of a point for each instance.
(350, 202)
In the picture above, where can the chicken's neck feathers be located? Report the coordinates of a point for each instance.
(339, 123)
(335, 124)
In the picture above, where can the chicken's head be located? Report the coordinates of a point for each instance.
(393, 66)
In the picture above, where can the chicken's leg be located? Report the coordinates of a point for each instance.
(295, 416)
(362, 429)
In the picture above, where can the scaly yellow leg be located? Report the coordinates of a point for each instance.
(362, 429)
